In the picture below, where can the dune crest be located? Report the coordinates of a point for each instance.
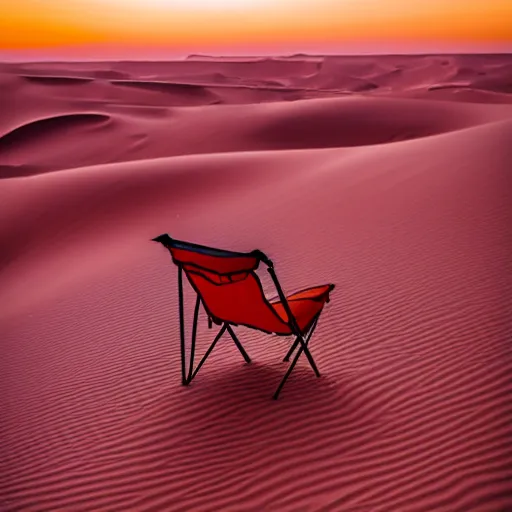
(26, 133)
(46, 134)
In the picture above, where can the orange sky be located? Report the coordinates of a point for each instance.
(203, 25)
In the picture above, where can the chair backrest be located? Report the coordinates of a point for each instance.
(227, 284)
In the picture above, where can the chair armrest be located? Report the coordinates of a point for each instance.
(314, 293)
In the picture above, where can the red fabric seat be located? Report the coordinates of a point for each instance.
(239, 299)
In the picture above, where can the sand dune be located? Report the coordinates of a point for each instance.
(177, 88)
(399, 71)
(461, 94)
(49, 137)
(145, 133)
(403, 203)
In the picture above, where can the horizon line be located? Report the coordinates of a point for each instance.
(261, 56)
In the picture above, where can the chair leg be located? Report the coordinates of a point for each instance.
(182, 326)
(238, 344)
(296, 342)
(305, 349)
(193, 343)
(287, 374)
(302, 348)
(205, 357)
(291, 351)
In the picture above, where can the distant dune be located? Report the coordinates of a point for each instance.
(389, 176)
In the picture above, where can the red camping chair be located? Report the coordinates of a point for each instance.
(231, 293)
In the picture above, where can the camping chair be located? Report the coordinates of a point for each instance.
(230, 291)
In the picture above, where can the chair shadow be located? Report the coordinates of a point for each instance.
(235, 412)
(246, 385)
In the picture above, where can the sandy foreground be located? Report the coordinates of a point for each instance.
(388, 176)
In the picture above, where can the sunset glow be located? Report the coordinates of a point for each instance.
(209, 5)
(204, 25)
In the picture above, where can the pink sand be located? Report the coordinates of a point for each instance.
(388, 176)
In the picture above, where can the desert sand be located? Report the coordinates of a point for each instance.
(389, 176)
